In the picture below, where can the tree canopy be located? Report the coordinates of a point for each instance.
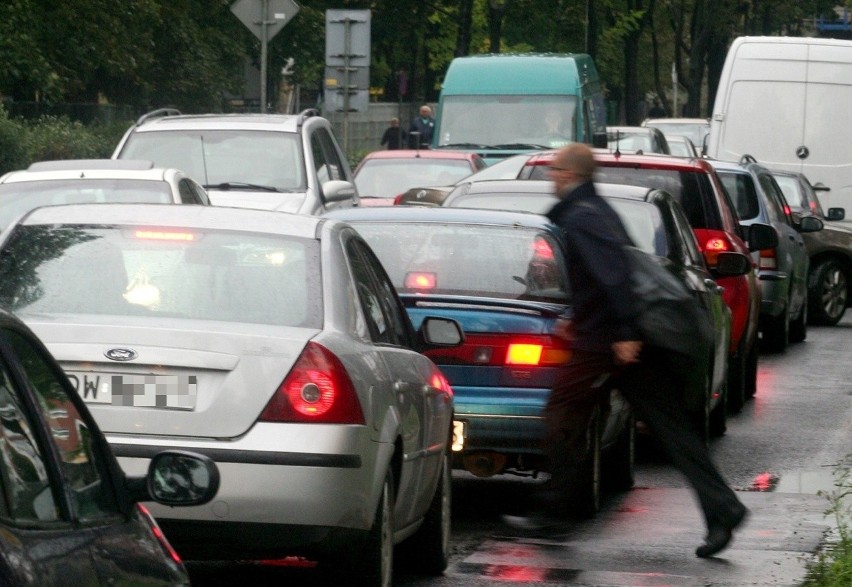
(192, 53)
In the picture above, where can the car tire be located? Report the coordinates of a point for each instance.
(827, 293)
(430, 546)
(718, 421)
(799, 325)
(587, 501)
(621, 458)
(373, 564)
(750, 388)
(776, 331)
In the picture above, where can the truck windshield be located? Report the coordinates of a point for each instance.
(507, 121)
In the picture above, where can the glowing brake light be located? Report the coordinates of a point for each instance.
(712, 242)
(542, 250)
(523, 354)
(421, 280)
(164, 235)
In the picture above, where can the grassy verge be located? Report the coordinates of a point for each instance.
(833, 564)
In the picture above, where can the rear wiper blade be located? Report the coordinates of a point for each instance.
(239, 185)
(520, 146)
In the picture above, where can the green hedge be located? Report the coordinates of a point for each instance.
(50, 137)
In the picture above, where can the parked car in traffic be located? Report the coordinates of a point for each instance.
(783, 269)
(636, 139)
(657, 225)
(286, 162)
(714, 219)
(76, 181)
(273, 343)
(381, 176)
(502, 276)
(697, 129)
(70, 516)
(830, 249)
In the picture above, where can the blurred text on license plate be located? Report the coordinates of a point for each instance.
(176, 392)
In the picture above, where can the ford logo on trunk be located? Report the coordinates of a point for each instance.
(121, 354)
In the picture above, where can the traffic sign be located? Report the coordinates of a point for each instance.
(278, 13)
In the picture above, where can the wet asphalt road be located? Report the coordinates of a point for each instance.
(778, 452)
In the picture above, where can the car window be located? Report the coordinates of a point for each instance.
(741, 189)
(780, 210)
(478, 260)
(19, 197)
(216, 157)
(687, 237)
(327, 163)
(26, 489)
(178, 274)
(187, 196)
(81, 459)
(394, 313)
(380, 330)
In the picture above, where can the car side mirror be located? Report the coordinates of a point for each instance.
(836, 213)
(338, 190)
(809, 224)
(599, 140)
(437, 332)
(729, 263)
(177, 478)
(761, 236)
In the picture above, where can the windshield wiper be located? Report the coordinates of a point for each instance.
(465, 146)
(520, 146)
(239, 185)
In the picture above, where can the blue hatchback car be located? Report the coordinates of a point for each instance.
(501, 275)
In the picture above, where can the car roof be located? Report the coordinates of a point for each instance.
(519, 186)
(648, 160)
(89, 169)
(171, 216)
(439, 214)
(268, 122)
(420, 154)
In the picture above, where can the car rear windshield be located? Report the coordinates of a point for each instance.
(387, 178)
(216, 157)
(740, 187)
(161, 272)
(473, 260)
(19, 197)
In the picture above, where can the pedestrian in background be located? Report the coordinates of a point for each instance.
(394, 136)
(424, 125)
(608, 353)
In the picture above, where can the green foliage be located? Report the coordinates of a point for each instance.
(833, 565)
(24, 142)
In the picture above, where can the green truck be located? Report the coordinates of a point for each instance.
(503, 105)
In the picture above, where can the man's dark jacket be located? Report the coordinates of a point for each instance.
(603, 306)
(426, 128)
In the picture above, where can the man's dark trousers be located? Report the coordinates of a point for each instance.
(656, 395)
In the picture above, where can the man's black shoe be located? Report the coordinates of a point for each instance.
(719, 534)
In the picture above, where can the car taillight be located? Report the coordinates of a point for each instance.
(542, 251)
(439, 382)
(158, 533)
(420, 280)
(317, 389)
(768, 259)
(504, 350)
(711, 243)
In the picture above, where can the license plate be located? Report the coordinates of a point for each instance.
(459, 434)
(173, 392)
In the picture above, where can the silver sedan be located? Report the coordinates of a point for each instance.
(273, 343)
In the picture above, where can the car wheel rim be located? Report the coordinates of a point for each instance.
(834, 292)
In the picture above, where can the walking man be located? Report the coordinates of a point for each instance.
(422, 129)
(608, 353)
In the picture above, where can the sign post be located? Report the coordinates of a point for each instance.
(347, 63)
(264, 18)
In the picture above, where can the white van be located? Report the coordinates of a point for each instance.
(787, 101)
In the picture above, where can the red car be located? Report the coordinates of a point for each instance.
(713, 217)
(383, 175)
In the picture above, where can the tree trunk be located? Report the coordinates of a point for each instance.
(464, 31)
(496, 10)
